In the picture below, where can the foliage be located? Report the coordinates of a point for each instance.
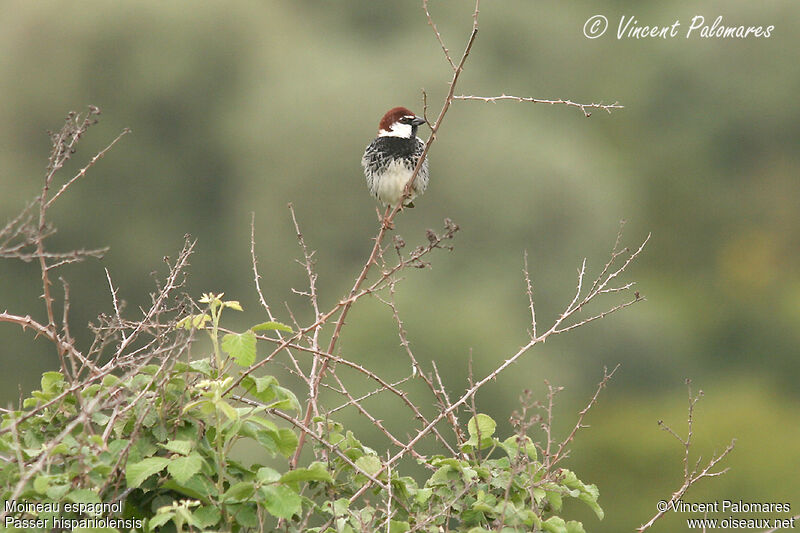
(163, 448)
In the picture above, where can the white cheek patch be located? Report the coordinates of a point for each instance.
(398, 130)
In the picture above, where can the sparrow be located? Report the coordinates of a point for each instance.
(390, 159)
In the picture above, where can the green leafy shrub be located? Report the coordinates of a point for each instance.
(159, 441)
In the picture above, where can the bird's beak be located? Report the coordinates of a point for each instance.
(417, 121)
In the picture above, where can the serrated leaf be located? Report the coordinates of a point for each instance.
(193, 322)
(593, 505)
(197, 488)
(27, 403)
(423, 495)
(575, 527)
(272, 325)
(233, 304)
(481, 424)
(41, 483)
(57, 492)
(136, 473)
(261, 387)
(182, 447)
(281, 501)
(286, 441)
(288, 399)
(315, 472)
(241, 346)
(159, 520)
(245, 515)
(240, 491)
(512, 447)
(184, 468)
(83, 496)
(266, 474)
(51, 382)
(263, 422)
(226, 409)
(207, 516)
(554, 524)
(369, 464)
(555, 500)
(397, 526)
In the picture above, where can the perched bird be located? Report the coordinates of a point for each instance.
(390, 159)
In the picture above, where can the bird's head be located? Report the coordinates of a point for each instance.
(399, 122)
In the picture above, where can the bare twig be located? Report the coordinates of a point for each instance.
(569, 103)
(438, 35)
(561, 452)
(82, 172)
(690, 476)
(573, 307)
(529, 292)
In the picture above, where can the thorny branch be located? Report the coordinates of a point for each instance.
(139, 342)
(129, 344)
(583, 107)
(691, 475)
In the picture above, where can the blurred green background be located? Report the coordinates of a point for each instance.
(242, 107)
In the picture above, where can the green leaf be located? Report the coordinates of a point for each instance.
(396, 526)
(239, 492)
(136, 473)
(182, 447)
(83, 496)
(263, 422)
(315, 472)
(110, 380)
(193, 322)
(226, 409)
(245, 515)
(575, 527)
(555, 500)
(369, 464)
(207, 516)
(184, 468)
(272, 325)
(241, 346)
(481, 424)
(266, 474)
(41, 483)
(512, 447)
(260, 387)
(554, 524)
(201, 365)
(287, 399)
(281, 501)
(423, 495)
(286, 441)
(51, 382)
(27, 403)
(443, 476)
(233, 304)
(160, 519)
(197, 488)
(593, 505)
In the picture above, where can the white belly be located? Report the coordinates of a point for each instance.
(391, 185)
